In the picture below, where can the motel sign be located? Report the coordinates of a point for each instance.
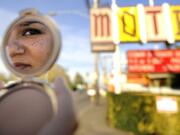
(134, 24)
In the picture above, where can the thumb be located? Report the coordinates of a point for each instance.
(60, 85)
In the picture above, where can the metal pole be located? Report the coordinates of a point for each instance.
(95, 5)
(97, 77)
(151, 3)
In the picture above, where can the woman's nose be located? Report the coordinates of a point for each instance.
(15, 48)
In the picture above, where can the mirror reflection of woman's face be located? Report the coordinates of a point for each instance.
(29, 45)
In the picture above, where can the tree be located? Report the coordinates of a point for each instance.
(54, 72)
(78, 80)
(2, 77)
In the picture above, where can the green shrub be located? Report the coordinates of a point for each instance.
(136, 112)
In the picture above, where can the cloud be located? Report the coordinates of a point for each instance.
(6, 18)
(76, 53)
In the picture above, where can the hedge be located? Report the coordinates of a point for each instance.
(136, 112)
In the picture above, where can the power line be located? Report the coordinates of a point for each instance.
(75, 12)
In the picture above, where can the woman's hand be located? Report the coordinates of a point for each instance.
(65, 122)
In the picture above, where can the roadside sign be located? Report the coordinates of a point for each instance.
(166, 104)
(154, 61)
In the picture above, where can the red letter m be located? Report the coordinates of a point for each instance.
(101, 25)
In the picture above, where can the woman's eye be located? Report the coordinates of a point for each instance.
(30, 32)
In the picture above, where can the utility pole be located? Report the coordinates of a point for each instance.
(96, 3)
(96, 56)
(151, 3)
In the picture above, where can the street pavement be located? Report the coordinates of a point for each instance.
(92, 117)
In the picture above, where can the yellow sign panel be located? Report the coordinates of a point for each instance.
(175, 17)
(128, 26)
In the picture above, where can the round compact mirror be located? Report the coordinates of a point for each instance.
(31, 44)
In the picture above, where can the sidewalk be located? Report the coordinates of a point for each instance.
(93, 120)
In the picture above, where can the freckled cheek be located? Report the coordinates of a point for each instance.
(40, 50)
(43, 46)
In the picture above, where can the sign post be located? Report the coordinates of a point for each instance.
(151, 3)
(96, 56)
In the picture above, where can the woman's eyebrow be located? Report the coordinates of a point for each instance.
(29, 23)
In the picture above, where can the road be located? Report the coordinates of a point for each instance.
(92, 118)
